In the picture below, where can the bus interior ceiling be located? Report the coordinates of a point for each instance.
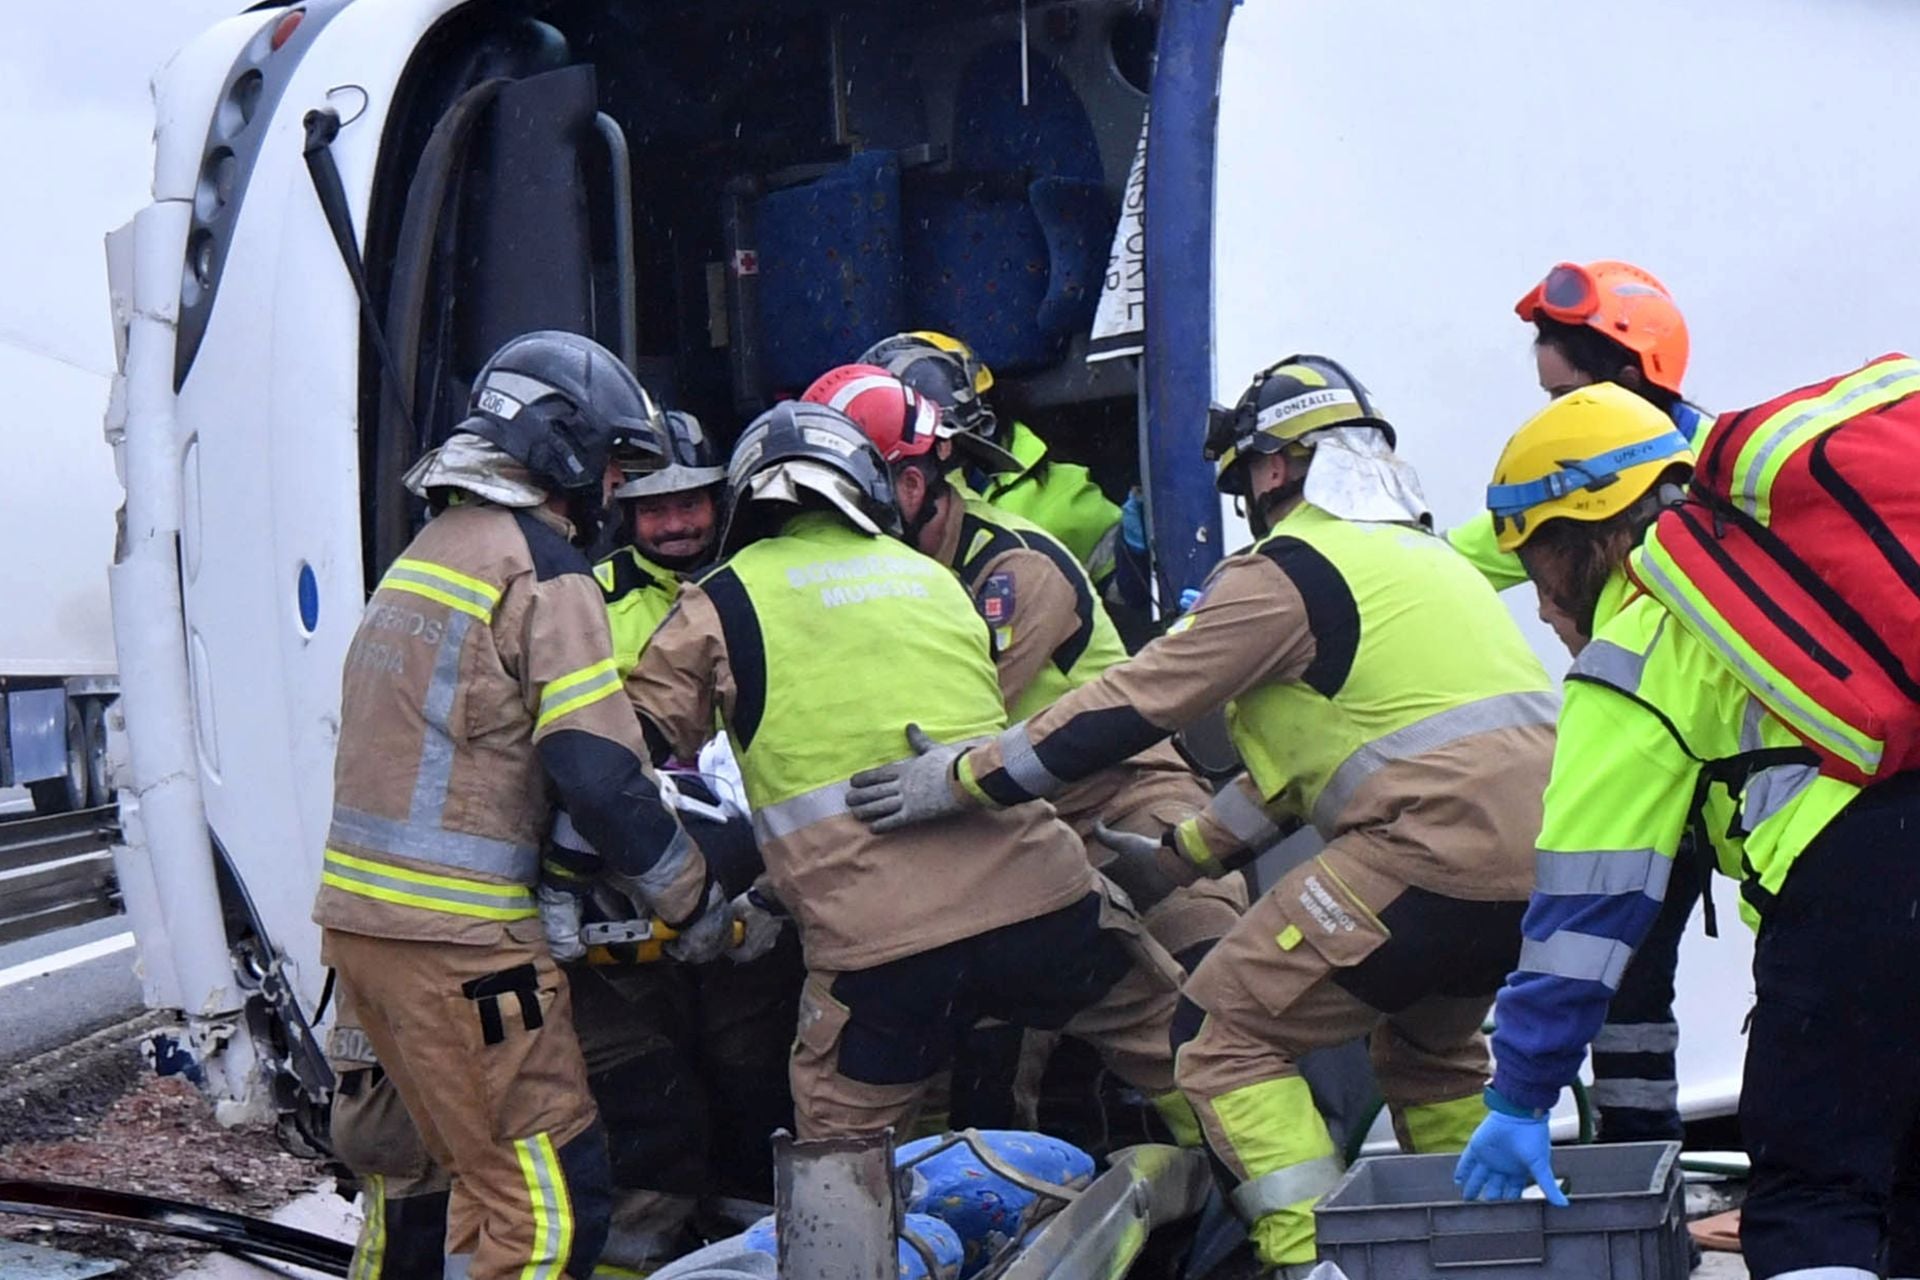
(804, 178)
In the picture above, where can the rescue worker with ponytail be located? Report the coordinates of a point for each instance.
(480, 682)
(1374, 686)
(1659, 735)
(1605, 321)
(817, 636)
(1612, 323)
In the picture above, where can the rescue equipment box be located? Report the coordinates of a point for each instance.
(1402, 1218)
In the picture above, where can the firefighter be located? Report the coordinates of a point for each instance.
(671, 519)
(1375, 687)
(1611, 322)
(1050, 635)
(687, 1063)
(1827, 1109)
(482, 676)
(1014, 470)
(811, 644)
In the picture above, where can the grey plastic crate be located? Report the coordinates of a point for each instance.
(1401, 1218)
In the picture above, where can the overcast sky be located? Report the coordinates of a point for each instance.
(76, 127)
(1393, 175)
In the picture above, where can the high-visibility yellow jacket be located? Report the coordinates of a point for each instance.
(1648, 708)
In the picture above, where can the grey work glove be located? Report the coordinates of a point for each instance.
(708, 934)
(1136, 866)
(918, 788)
(760, 920)
(560, 918)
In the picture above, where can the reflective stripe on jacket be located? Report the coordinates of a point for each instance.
(482, 671)
(1647, 703)
(1375, 686)
(818, 646)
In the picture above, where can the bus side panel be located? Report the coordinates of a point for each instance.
(267, 417)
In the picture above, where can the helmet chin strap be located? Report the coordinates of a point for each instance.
(929, 507)
(1261, 509)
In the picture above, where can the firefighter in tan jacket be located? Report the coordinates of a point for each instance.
(1374, 686)
(479, 689)
(811, 643)
(1050, 635)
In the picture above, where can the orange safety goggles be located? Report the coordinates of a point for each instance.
(1568, 294)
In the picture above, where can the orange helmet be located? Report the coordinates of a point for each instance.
(899, 421)
(1623, 302)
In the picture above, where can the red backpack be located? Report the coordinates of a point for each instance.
(1796, 557)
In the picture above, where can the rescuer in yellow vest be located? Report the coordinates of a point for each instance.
(1374, 686)
(1611, 322)
(811, 643)
(1829, 1102)
(1013, 470)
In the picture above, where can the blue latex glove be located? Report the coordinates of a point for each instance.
(1133, 523)
(1189, 597)
(1506, 1153)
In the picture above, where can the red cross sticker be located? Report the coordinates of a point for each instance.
(746, 262)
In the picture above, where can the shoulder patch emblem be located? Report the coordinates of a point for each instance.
(996, 598)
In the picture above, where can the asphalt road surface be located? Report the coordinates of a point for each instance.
(61, 986)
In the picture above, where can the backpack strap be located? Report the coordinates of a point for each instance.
(1733, 772)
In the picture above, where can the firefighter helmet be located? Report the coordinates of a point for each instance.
(560, 404)
(797, 449)
(900, 421)
(686, 458)
(1293, 398)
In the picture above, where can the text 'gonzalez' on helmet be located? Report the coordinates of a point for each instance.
(900, 421)
(1589, 455)
(691, 461)
(1287, 400)
(1623, 302)
(559, 404)
(797, 449)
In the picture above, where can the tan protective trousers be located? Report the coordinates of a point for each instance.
(871, 1042)
(479, 1044)
(1287, 980)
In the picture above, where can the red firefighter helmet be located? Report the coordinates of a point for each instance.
(899, 421)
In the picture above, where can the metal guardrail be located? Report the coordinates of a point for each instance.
(57, 871)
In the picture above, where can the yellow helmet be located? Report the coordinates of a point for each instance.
(1289, 399)
(1589, 455)
(975, 366)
